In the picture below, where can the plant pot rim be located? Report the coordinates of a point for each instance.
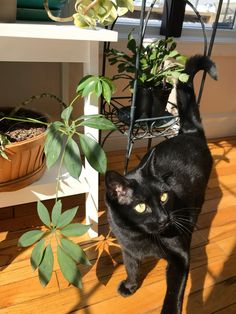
(28, 140)
(33, 138)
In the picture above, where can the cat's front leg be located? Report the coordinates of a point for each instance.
(128, 286)
(177, 275)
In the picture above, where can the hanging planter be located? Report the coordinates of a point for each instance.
(22, 160)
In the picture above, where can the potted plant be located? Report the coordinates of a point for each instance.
(21, 148)
(64, 142)
(160, 64)
(88, 13)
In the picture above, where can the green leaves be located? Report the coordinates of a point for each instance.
(53, 144)
(75, 252)
(98, 122)
(72, 158)
(68, 252)
(30, 237)
(94, 153)
(103, 12)
(43, 214)
(69, 268)
(155, 58)
(37, 254)
(46, 266)
(56, 212)
(66, 217)
(96, 85)
(76, 229)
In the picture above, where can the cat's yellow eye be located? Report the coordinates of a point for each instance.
(164, 197)
(140, 208)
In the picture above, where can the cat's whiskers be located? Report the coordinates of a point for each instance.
(159, 243)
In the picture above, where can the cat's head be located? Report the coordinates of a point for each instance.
(141, 203)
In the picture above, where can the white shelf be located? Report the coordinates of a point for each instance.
(52, 42)
(44, 188)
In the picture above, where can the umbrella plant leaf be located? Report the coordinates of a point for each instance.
(98, 89)
(30, 237)
(75, 252)
(37, 254)
(90, 87)
(106, 91)
(72, 160)
(75, 230)
(56, 212)
(66, 113)
(83, 82)
(43, 214)
(183, 77)
(94, 153)
(54, 149)
(46, 266)
(69, 268)
(99, 122)
(67, 217)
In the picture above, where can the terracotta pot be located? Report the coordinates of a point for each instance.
(26, 163)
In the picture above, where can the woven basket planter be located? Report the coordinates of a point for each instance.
(26, 163)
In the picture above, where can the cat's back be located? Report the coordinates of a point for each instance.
(184, 155)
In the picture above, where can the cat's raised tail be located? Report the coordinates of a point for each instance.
(190, 121)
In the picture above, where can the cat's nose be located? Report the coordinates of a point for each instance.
(163, 221)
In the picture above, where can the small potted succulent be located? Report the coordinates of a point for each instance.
(88, 13)
(160, 65)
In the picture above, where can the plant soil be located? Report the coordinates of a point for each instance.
(17, 131)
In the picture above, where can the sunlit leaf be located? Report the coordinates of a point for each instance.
(99, 122)
(37, 254)
(184, 77)
(67, 217)
(56, 212)
(94, 153)
(69, 268)
(46, 266)
(53, 147)
(30, 237)
(66, 113)
(75, 252)
(83, 82)
(72, 160)
(75, 229)
(43, 214)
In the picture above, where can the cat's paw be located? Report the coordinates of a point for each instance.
(125, 289)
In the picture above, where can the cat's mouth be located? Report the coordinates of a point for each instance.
(162, 228)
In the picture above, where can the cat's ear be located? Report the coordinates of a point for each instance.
(118, 187)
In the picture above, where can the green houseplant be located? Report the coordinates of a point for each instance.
(160, 65)
(88, 13)
(61, 145)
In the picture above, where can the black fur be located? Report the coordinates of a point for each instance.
(180, 167)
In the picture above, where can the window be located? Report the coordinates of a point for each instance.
(206, 8)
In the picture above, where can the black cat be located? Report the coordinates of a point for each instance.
(153, 209)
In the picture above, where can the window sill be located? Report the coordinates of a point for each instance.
(191, 40)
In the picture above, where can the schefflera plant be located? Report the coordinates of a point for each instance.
(69, 254)
(60, 139)
(60, 145)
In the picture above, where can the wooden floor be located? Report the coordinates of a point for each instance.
(211, 286)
